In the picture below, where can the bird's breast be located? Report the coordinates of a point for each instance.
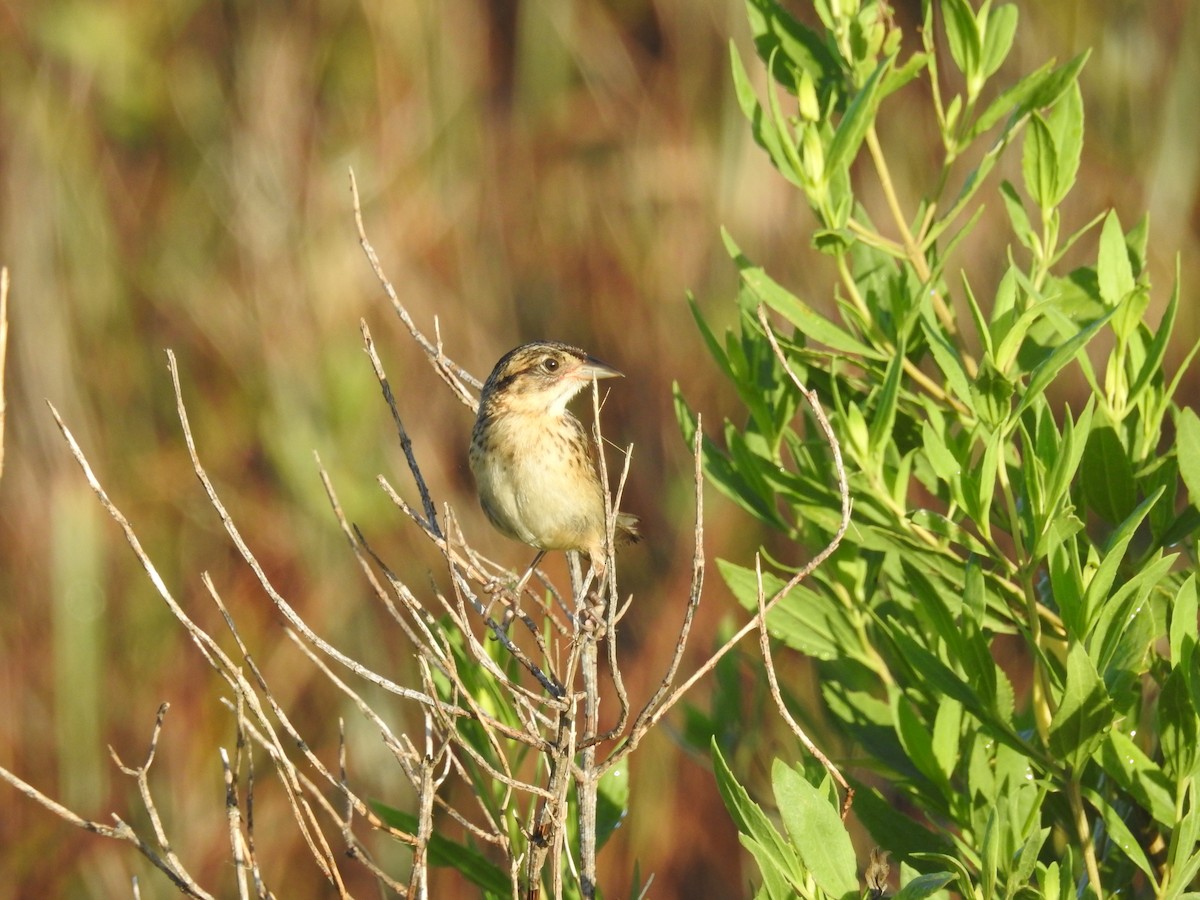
(536, 480)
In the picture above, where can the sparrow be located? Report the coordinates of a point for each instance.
(532, 459)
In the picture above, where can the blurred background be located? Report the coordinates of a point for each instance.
(174, 175)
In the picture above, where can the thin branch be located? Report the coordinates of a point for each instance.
(764, 644)
(459, 379)
(804, 571)
(359, 547)
(281, 604)
(233, 812)
(302, 812)
(169, 866)
(646, 717)
(405, 441)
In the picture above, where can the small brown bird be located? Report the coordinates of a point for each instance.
(531, 458)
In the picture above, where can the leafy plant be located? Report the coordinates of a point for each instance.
(1007, 634)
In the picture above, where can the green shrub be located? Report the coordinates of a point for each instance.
(997, 497)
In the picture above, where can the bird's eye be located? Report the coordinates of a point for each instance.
(550, 364)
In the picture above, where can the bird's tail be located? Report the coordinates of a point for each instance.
(627, 528)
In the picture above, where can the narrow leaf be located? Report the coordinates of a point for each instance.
(1187, 451)
(1114, 272)
(817, 831)
(811, 323)
(1046, 370)
(470, 863)
(851, 130)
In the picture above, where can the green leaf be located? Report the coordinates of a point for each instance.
(1125, 626)
(1178, 726)
(1106, 475)
(883, 418)
(851, 130)
(1183, 857)
(1066, 124)
(817, 831)
(612, 802)
(983, 477)
(949, 529)
(924, 886)
(1046, 370)
(898, 78)
(1070, 455)
(1049, 882)
(946, 726)
(721, 471)
(1114, 272)
(998, 38)
(893, 828)
(917, 739)
(808, 621)
(942, 460)
(773, 28)
(1138, 775)
(1021, 225)
(814, 171)
(940, 678)
(1039, 163)
(1102, 580)
(962, 34)
(1183, 622)
(1038, 90)
(776, 883)
(444, 852)
(752, 821)
(948, 361)
(1084, 712)
(710, 340)
(1027, 859)
(977, 316)
(1151, 367)
(813, 325)
(1066, 582)
(1120, 835)
(1187, 451)
(766, 135)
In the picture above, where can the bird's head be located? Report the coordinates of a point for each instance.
(541, 378)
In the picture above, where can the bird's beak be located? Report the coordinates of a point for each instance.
(593, 368)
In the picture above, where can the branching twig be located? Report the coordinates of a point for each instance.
(167, 863)
(431, 523)
(656, 707)
(653, 716)
(764, 644)
(459, 379)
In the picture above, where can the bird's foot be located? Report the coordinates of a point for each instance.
(591, 617)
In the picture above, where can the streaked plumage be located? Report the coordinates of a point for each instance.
(532, 458)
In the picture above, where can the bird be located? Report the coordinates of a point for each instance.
(531, 458)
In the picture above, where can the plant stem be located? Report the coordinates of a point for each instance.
(587, 779)
(1084, 832)
(915, 256)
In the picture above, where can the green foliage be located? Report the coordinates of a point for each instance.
(1003, 488)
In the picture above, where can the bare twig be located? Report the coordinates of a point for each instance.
(405, 440)
(459, 379)
(649, 714)
(764, 644)
(281, 604)
(237, 843)
(358, 546)
(652, 717)
(168, 864)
